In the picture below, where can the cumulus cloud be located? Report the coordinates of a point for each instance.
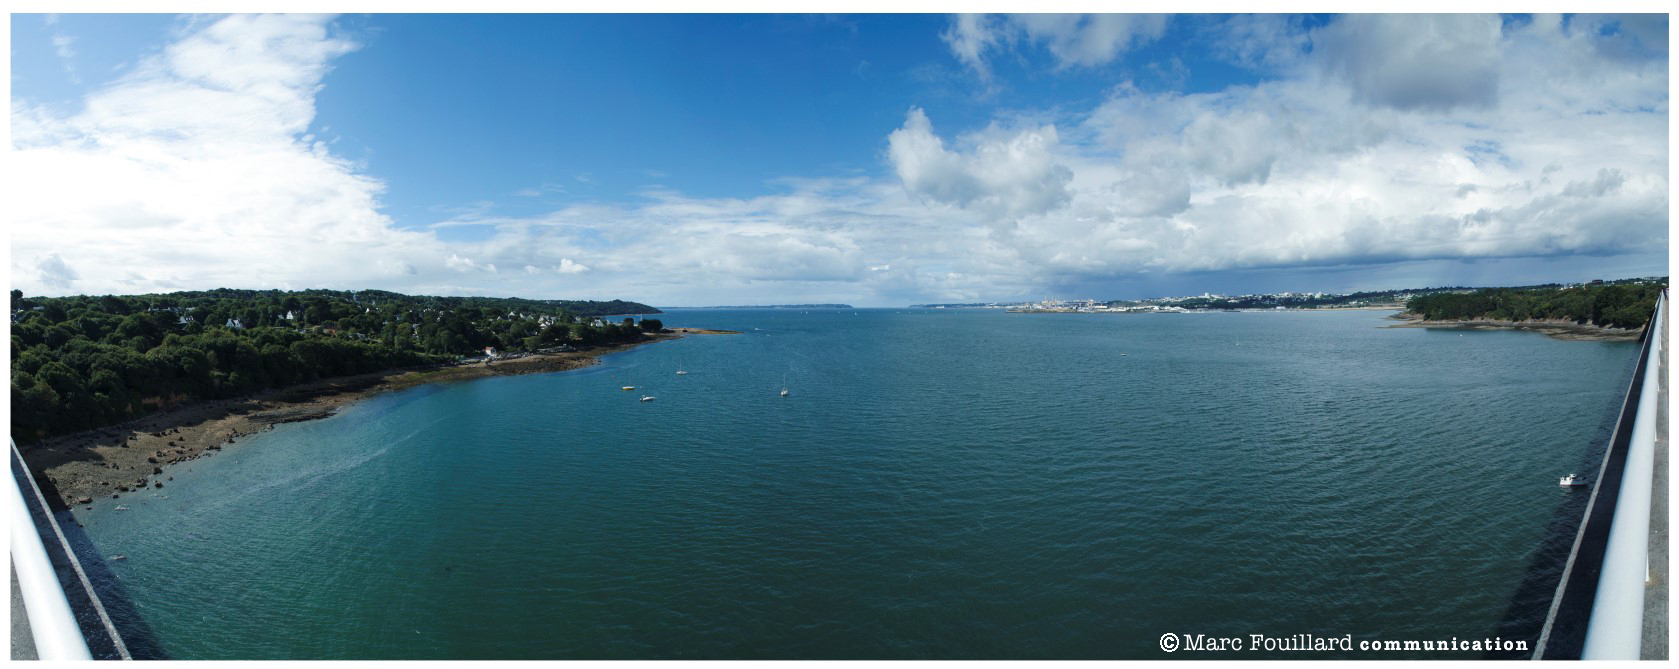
(1001, 173)
(197, 168)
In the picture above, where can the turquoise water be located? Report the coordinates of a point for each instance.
(939, 484)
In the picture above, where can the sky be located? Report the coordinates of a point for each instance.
(874, 160)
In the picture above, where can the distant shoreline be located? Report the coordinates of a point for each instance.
(91, 467)
(1565, 330)
(1200, 311)
(744, 307)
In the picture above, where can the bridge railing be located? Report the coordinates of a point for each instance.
(52, 626)
(64, 615)
(1598, 609)
(1616, 628)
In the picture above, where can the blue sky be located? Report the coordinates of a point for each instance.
(874, 160)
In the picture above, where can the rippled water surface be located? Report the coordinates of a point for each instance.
(939, 484)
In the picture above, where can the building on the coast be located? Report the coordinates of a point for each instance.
(490, 351)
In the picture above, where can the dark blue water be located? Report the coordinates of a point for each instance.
(939, 484)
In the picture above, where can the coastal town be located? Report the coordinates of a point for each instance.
(1207, 301)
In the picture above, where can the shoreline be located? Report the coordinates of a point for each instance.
(1206, 311)
(104, 464)
(1564, 330)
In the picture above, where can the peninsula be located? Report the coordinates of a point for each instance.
(1592, 311)
(108, 390)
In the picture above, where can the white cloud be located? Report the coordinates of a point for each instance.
(63, 45)
(1091, 39)
(969, 37)
(1083, 40)
(195, 169)
(1002, 173)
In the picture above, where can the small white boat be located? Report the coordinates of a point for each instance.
(121, 508)
(1572, 481)
(647, 398)
(784, 392)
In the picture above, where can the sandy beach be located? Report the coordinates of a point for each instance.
(136, 456)
(1567, 330)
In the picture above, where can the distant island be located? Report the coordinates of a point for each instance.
(772, 306)
(84, 362)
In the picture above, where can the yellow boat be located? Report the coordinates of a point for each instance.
(629, 387)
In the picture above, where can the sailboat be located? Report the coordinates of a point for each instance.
(784, 391)
(679, 370)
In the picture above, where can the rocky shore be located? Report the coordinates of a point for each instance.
(107, 463)
(1567, 330)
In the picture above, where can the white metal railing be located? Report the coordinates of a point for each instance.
(54, 628)
(1616, 628)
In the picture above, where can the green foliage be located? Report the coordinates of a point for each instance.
(88, 361)
(1619, 305)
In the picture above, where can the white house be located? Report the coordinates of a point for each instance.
(235, 324)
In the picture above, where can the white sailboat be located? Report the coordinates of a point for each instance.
(679, 370)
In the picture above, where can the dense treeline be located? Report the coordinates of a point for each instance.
(88, 361)
(1620, 305)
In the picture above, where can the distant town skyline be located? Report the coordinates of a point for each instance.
(873, 160)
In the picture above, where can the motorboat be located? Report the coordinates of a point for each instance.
(647, 398)
(629, 388)
(1572, 481)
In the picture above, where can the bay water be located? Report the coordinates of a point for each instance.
(950, 484)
